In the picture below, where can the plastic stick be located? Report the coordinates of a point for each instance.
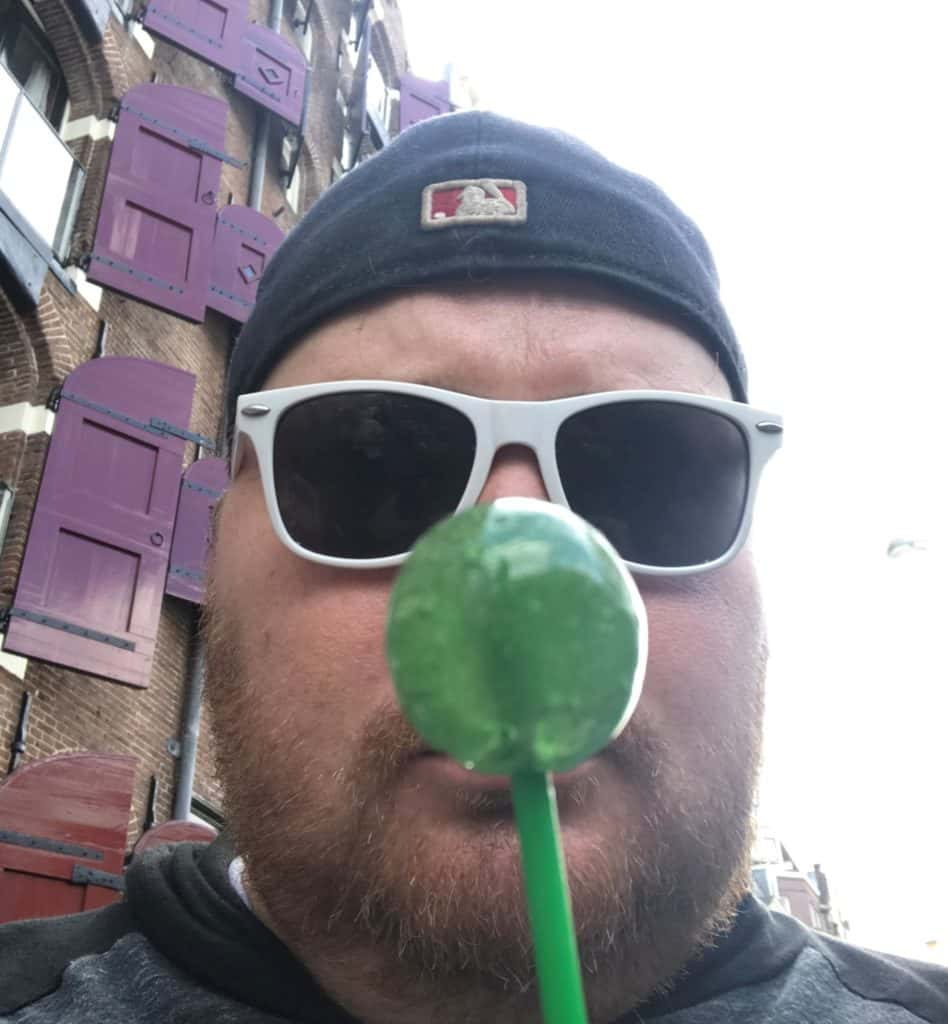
(551, 916)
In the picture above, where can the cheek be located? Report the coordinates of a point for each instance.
(703, 684)
(309, 639)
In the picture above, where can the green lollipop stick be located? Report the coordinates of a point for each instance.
(517, 643)
(551, 917)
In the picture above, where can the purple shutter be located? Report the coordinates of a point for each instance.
(272, 73)
(156, 223)
(210, 29)
(244, 241)
(421, 99)
(97, 553)
(201, 488)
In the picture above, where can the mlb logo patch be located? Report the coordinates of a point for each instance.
(447, 204)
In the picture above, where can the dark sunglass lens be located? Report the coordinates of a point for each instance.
(362, 474)
(665, 482)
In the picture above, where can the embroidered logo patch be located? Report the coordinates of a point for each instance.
(447, 204)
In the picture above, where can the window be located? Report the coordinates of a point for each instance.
(302, 23)
(30, 60)
(6, 507)
(207, 811)
(348, 155)
(39, 176)
(40, 179)
(378, 103)
(290, 172)
(358, 18)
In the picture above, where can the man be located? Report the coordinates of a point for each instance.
(369, 878)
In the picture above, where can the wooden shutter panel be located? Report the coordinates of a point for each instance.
(156, 223)
(201, 488)
(22, 268)
(93, 575)
(63, 827)
(272, 73)
(244, 241)
(421, 99)
(210, 29)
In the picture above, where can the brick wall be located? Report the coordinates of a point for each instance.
(71, 710)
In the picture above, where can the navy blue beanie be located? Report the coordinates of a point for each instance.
(476, 196)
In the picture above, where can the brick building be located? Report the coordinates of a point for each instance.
(152, 156)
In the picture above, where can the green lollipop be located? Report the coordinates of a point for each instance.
(517, 643)
(516, 638)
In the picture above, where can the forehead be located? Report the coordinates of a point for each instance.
(532, 339)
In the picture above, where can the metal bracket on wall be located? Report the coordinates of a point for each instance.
(70, 627)
(47, 844)
(173, 746)
(81, 875)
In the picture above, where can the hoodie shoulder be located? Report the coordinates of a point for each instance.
(34, 954)
(917, 987)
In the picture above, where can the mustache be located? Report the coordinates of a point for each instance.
(389, 743)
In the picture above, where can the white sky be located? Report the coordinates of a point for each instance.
(809, 143)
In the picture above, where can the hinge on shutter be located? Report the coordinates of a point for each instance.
(32, 842)
(188, 574)
(70, 627)
(4, 619)
(191, 141)
(201, 489)
(164, 427)
(55, 395)
(114, 111)
(155, 426)
(185, 27)
(231, 297)
(81, 875)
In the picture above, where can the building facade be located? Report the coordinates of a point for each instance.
(152, 157)
(780, 885)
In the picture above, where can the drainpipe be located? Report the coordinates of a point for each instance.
(190, 729)
(258, 162)
(18, 746)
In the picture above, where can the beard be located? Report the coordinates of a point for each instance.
(341, 867)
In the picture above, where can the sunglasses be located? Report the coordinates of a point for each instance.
(354, 472)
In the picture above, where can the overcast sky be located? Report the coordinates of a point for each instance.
(808, 141)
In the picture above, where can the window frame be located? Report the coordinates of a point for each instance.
(26, 17)
(379, 120)
(54, 253)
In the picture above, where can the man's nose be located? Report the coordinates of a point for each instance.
(515, 473)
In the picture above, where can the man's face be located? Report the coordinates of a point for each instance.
(358, 844)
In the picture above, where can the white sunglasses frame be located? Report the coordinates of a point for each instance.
(496, 423)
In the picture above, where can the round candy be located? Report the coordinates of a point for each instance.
(516, 638)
